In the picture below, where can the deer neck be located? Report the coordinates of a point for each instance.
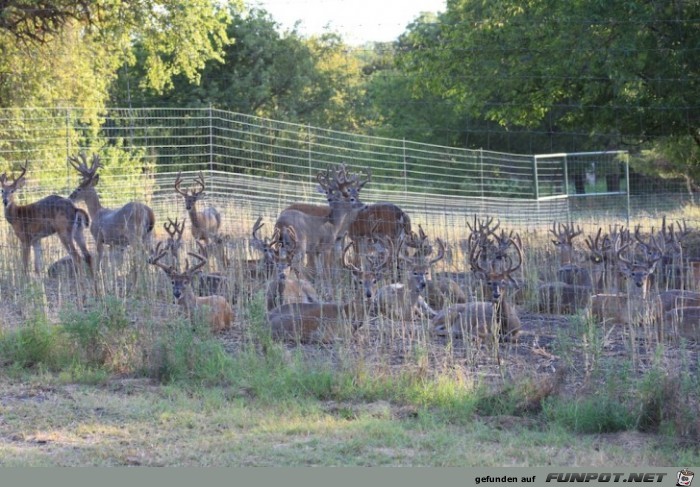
(92, 201)
(188, 301)
(194, 215)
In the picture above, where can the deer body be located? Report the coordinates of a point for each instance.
(130, 225)
(205, 223)
(323, 322)
(214, 310)
(479, 320)
(484, 319)
(48, 216)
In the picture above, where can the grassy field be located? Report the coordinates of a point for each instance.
(110, 373)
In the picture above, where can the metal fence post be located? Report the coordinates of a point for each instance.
(211, 141)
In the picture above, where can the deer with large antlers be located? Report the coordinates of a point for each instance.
(130, 225)
(400, 301)
(324, 322)
(263, 268)
(315, 237)
(214, 310)
(48, 216)
(637, 304)
(496, 317)
(204, 224)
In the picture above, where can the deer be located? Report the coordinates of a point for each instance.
(214, 310)
(401, 300)
(204, 224)
(569, 272)
(48, 216)
(324, 322)
(637, 305)
(173, 244)
(439, 291)
(317, 236)
(484, 319)
(130, 225)
(263, 268)
(283, 288)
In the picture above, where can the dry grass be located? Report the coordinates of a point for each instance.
(135, 422)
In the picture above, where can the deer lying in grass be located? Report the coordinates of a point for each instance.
(38, 220)
(638, 305)
(214, 310)
(324, 322)
(204, 224)
(400, 301)
(130, 225)
(483, 319)
(441, 291)
(284, 288)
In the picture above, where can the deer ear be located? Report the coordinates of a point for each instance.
(95, 180)
(480, 275)
(20, 183)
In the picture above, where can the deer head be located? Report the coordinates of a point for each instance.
(496, 277)
(9, 188)
(89, 176)
(565, 235)
(194, 194)
(180, 281)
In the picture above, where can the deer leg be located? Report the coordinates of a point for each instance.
(67, 241)
(79, 238)
(37, 256)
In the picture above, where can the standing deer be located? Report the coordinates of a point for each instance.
(324, 322)
(132, 224)
(205, 223)
(35, 221)
(316, 236)
(483, 319)
(214, 310)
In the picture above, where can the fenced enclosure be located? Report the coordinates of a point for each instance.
(264, 165)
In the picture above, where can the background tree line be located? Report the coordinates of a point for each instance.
(504, 75)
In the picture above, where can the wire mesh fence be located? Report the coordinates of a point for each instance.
(259, 166)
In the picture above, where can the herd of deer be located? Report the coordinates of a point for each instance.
(314, 247)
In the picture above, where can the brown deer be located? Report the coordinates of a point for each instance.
(483, 319)
(214, 310)
(283, 288)
(324, 322)
(48, 216)
(637, 305)
(205, 223)
(130, 225)
(317, 236)
(173, 244)
(569, 272)
(263, 268)
(439, 291)
(399, 301)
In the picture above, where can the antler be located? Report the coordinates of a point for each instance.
(441, 252)
(174, 229)
(189, 271)
(80, 164)
(565, 233)
(199, 180)
(178, 181)
(15, 181)
(159, 254)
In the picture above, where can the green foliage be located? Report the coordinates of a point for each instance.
(35, 344)
(101, 335)
(560, 69)
(265, 73)
(600, 414)
(187, 353)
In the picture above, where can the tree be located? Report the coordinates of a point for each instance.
(622, 74)
(265, 73)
